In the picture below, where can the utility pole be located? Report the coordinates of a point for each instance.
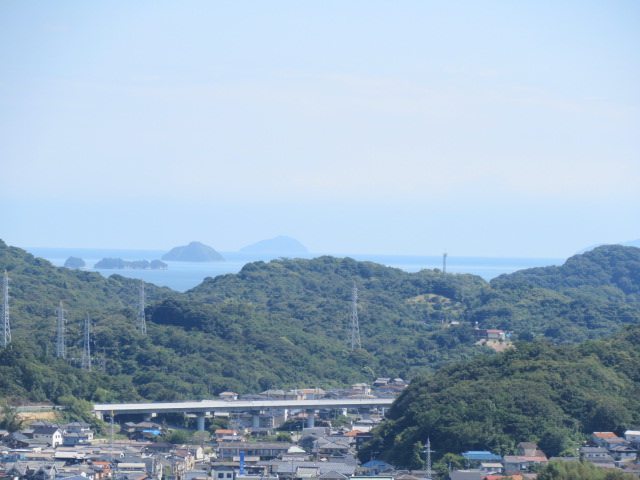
(61, 346)
(86, 345)
(6, 324)
(141, 324)
(355, 327)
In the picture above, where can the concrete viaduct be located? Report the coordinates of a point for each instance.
(208, 407)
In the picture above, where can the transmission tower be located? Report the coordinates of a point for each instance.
(85, 362)
(141, 324)
(428, 452)
(355, 327)
(6, 326)
(61, 346)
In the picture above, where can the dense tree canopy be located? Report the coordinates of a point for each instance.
(536, 392)
(284, 324)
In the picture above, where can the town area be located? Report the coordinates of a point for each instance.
(278, 444)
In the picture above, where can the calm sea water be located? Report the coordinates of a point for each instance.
(182, 276)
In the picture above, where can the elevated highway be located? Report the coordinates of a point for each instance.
(207, 407)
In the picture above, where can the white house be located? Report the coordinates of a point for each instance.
(51, 435)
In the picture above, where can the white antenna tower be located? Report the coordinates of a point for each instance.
(141, 324)
(444, 264)
(6, 325)
(85, 363)
(355, 327)
(61, 346)
(428, 452)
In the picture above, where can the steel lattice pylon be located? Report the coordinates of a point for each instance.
(428, 452)
(86, 345)
(141, 324)
(355, 327)
(6, 324)
(61, 345)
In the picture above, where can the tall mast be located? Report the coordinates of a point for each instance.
(6, 324)
(444, 264)
(61, 346)
(141, 324)
(355, 327)
(86, 345)
(428, 452)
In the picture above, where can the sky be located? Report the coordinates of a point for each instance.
(479, 128)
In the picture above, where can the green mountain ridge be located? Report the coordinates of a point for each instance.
(279, 324)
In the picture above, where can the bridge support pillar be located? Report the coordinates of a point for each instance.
(255, 419)
(149, 416)
(200, 422)
(311, 419)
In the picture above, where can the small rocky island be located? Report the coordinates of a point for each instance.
(75, 262)
(120, 264)
(194, 252)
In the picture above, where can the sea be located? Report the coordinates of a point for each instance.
(182, 276)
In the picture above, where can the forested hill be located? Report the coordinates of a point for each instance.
(37, 287)
(279, 324)
(609, 270)
(552, 395)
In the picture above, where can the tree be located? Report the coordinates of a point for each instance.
(10, 419)
(283, 437)
(178, 437)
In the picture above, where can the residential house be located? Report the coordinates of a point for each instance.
(222, 472)
(287, 470)
(50, 435)
(633, 437)
(229, 396)
(597, 455)
(599, 438)
(332, 476)
(466, 475)
(311, 393)
(77, 427)
(475, 457)
(224, 432)
(375, 467)
(142, 430)
(326, 447)
(623, 453)
(528, 455)
(263, 450)
(362, 388)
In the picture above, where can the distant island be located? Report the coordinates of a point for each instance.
(75, 262)
(194, 252)
(279, 245)
(119, 264)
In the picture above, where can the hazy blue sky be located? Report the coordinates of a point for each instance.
(489, 128)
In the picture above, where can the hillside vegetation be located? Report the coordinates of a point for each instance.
(285, 324)
(536, 392)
